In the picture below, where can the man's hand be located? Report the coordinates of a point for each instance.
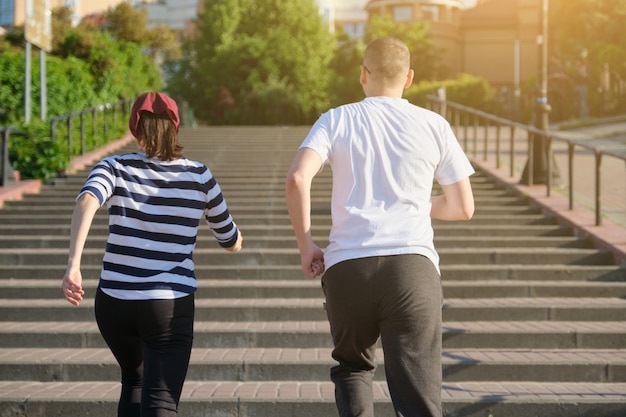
(312, 260)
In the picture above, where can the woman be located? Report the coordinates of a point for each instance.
(144, 304)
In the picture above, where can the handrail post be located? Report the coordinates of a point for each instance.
(466, 118)
(69, 138)
(531, 162)
(83, 145)
(512, 152)
(598, 186)
(475, 138)
(486, 141)
(94, 121)
(548, 138)
(570, 173)
(106, 120)
(498, 162)
(4, 173)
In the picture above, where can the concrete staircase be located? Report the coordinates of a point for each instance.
(533, 317)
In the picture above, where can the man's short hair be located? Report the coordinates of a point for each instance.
(388, 57)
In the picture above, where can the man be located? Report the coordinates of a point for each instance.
(381, 268)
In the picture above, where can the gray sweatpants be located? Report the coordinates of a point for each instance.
(398, 298)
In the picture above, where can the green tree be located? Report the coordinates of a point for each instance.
(252, 62)
(130, 24)
(344, 85)
(61, 22)
(579, 24)
(591, 30)
(591, 27)
(125, 22)
(417, 37)
(119, 68)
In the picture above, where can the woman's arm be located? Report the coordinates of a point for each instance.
(84, 211)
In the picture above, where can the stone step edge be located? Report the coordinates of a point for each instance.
(444, 268)
(305, 356)
(193, 391)
(314, 283)
(314, 302)
(321, 327)
(294, 251)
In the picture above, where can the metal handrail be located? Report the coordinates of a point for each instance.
(94, 111)
(465, 117)
(6, 171)
(4, 158)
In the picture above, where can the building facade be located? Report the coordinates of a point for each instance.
(500, 40)
(175, 14)
(492, 39)
(13, 12)
(443, 16)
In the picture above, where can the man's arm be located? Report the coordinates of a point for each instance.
(305, 166)
(456, 202)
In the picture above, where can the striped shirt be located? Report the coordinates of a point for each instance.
(155, 209)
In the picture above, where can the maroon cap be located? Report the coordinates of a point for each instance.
(156, 103)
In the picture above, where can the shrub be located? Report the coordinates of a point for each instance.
(467, 90)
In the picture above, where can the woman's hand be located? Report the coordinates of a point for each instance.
(237, 246)
(72, 286)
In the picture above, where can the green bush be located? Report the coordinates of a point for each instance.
(35, 155)
(467, 90)
(38, 155)
(105, 71)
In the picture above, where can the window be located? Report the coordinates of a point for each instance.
(359, 30)
(326, 14)
(431, 13)
(7, 13)
(354, 30)
(402, 13)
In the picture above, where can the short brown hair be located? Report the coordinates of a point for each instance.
(388, 58)
(157, 136)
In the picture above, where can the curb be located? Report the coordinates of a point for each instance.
(80, 162)
(15, 191)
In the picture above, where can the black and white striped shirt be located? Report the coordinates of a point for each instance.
(155, 209)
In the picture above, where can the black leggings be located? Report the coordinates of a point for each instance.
(151, 340)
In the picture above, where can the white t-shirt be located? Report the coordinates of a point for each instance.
(385, 153)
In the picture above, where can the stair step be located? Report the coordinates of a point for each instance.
(458, 229)
(316, 398)
(307, 288)
(302, 334)
(275, 242)
(533, 314)
(313, 364)
(265, 256)
(245, 220)
(460, 272)
(277, 309)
